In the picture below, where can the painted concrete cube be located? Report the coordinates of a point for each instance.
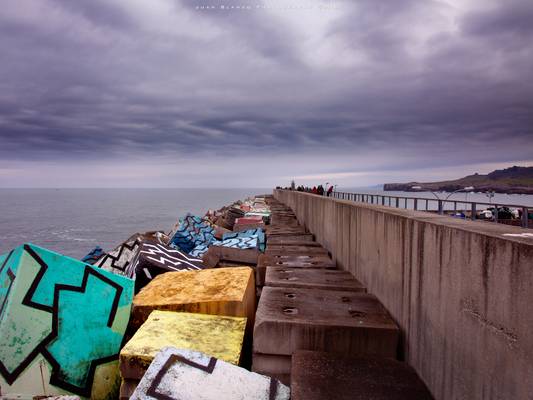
(192, 231)
(189, 375)
(218, 336)
(220, 291)
(62, 323)
(153, 259)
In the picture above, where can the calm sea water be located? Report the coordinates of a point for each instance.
(73, 221)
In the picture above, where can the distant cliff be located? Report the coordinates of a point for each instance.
(509, 180)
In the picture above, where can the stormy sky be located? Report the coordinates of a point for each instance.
(251, 93)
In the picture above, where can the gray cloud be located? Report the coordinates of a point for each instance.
(428, 83)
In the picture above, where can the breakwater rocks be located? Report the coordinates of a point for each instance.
(216, 308)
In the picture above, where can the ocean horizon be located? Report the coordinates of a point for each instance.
(74, 221)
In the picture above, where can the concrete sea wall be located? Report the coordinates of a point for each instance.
(461, 291)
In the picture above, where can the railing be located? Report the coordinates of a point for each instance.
(441, 206)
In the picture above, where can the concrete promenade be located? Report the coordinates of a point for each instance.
(460, 291)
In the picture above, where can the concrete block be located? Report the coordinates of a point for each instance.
(190, 375)
(245, 227)
(192, 231)
(271, 239)
(215, 254)
(283, 378)
(317, 376)
(312, 279)
(118, 259)
(283, 219)
(268, 261)
(287, 243)
(275, 230)
(284, 222)
(153, 259)
(273, 363)
(222, 337)
(62, 323)
(127, 387)
(220, 291)
(220, 232)
(351, 323)
(295, 250)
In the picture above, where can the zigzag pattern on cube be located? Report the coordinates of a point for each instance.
(193, 231)
(70, 314)
(189, 375)
(153, 259)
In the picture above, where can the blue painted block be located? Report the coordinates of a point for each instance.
(62, 323)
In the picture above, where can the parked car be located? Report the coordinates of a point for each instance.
(503, 213)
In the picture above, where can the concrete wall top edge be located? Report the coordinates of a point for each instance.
(494, 230)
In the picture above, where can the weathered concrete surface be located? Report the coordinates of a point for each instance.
(221, 337)
(220, 291)
(276, 230)
(189, 375)
(273, 365)
(215, 254)
(289, 250)
(304, 261)
(127, 387)
(460, 290)
(280, 239)
(318, 376)
(310, 319)
(312, 279)
(289, 243)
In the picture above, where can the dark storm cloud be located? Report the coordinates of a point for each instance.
(92, 80)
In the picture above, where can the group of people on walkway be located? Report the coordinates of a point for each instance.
(318, 190)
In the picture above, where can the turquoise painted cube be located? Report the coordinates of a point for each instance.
(62, 323)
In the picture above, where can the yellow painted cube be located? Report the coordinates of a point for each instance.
(219, 291)
(218, 336)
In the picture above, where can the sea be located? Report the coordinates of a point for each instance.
(74, 221)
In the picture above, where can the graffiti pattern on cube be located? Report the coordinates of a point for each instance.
(72, 314)
(153, 259)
